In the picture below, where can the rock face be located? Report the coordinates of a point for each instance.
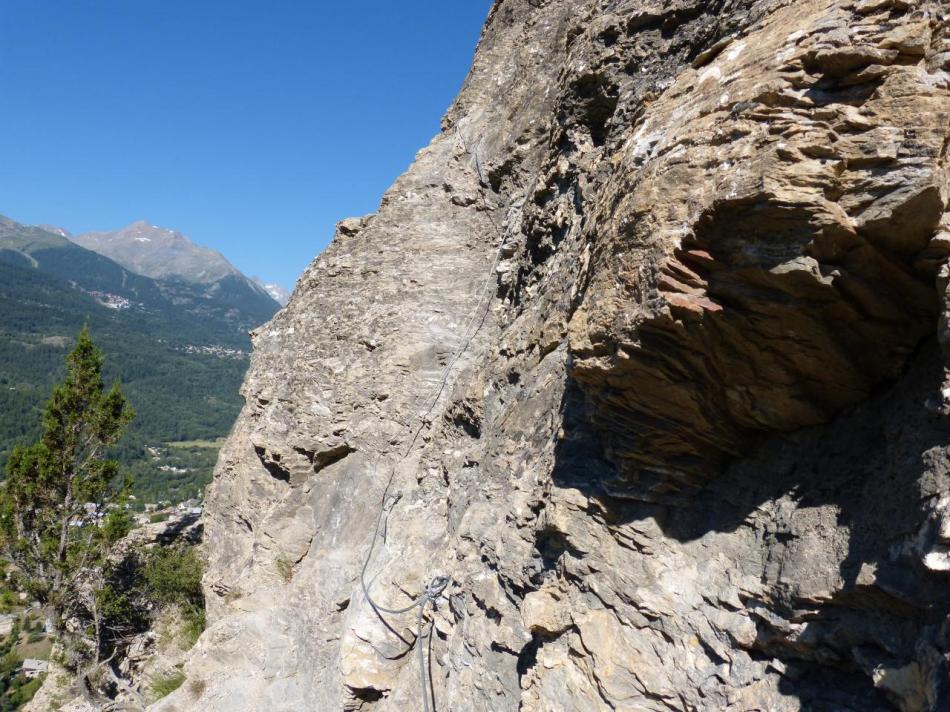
(647, 342)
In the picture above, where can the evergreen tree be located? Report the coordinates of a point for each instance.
(55, 523)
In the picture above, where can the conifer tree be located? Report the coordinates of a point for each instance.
(55, 523)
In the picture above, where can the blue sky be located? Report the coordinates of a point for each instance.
(250, 125)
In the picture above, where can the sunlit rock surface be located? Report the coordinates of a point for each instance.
(695, 453)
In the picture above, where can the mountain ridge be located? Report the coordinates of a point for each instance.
(230, 297)
(278, 292)
(180, 349)
(158, 252)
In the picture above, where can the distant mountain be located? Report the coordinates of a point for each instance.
(54, 255)
(62, 232)
(277, 291)
(180, 348)
(222, 312)
(159, 253)
(172, 259)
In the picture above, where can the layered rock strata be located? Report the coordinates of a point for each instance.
(648, 342)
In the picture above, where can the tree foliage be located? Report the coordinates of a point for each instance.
(146, 582)
(60, 488)
(173, 576)
(178, 394)
(61, 516)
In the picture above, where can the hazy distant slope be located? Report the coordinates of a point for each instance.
(278, 292)
(159, 253)
(87, 271)
(26, 239)
(180, 353)
(184, 270)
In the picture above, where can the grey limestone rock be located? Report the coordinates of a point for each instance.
(680, 265)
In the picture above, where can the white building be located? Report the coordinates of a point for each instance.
(34, 668)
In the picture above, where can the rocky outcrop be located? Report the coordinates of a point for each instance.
(643, 352)
(782, 199)
(146, 638)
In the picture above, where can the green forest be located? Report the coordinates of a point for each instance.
(177, 394)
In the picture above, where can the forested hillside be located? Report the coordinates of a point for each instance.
(180, 362)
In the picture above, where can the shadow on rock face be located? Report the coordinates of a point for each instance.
(870, 462)
(847, 518)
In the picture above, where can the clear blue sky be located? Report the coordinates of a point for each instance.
(250, 125)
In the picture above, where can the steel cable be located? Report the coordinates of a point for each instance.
(437, 585)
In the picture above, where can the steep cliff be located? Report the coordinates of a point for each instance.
(643, 352)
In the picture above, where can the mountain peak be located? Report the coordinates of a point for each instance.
(144, 231)
(159, 252)
(278, 292)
